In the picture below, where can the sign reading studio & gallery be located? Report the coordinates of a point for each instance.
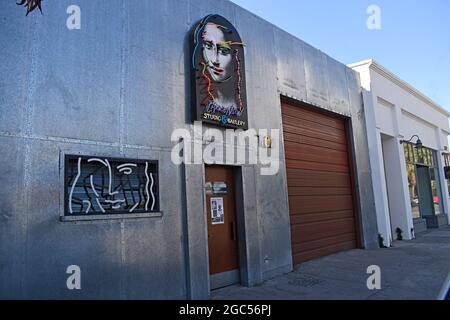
(219, 74)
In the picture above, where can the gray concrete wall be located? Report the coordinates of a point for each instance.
(119, 87)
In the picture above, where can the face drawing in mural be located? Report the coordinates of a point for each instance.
(217, 53)
(220, 68)
(96, 186)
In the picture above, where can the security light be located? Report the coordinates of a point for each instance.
(419, 143)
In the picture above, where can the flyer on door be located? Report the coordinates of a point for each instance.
(217, 213)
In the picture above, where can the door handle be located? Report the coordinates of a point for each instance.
(233, 231)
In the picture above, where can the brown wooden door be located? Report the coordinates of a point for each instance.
(320, 187)
(222, 231)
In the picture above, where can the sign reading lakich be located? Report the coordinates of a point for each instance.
(219, 68)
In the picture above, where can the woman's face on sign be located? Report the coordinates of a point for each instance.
(216, 53)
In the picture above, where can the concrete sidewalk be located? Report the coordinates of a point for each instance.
(410, 270)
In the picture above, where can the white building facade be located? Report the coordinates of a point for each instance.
(408, 146)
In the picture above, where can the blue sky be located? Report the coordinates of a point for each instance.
(414, 40)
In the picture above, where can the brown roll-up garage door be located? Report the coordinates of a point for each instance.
(321, 201)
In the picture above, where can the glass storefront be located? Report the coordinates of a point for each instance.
(447, 164)
(413, 194)
(423, 159)
(436, 190)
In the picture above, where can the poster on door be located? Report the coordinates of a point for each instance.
(217, 212)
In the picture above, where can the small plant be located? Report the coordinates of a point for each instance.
(381, 241)
(399, 234)
(30, 5)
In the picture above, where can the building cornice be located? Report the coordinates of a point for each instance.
(378, 68)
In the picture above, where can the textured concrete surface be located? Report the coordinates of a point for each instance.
(411, 270)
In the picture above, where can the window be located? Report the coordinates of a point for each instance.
(99, 186)
(423, 157)
(412, 186)
(436, 190)
(446, 159)
(447, 164)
